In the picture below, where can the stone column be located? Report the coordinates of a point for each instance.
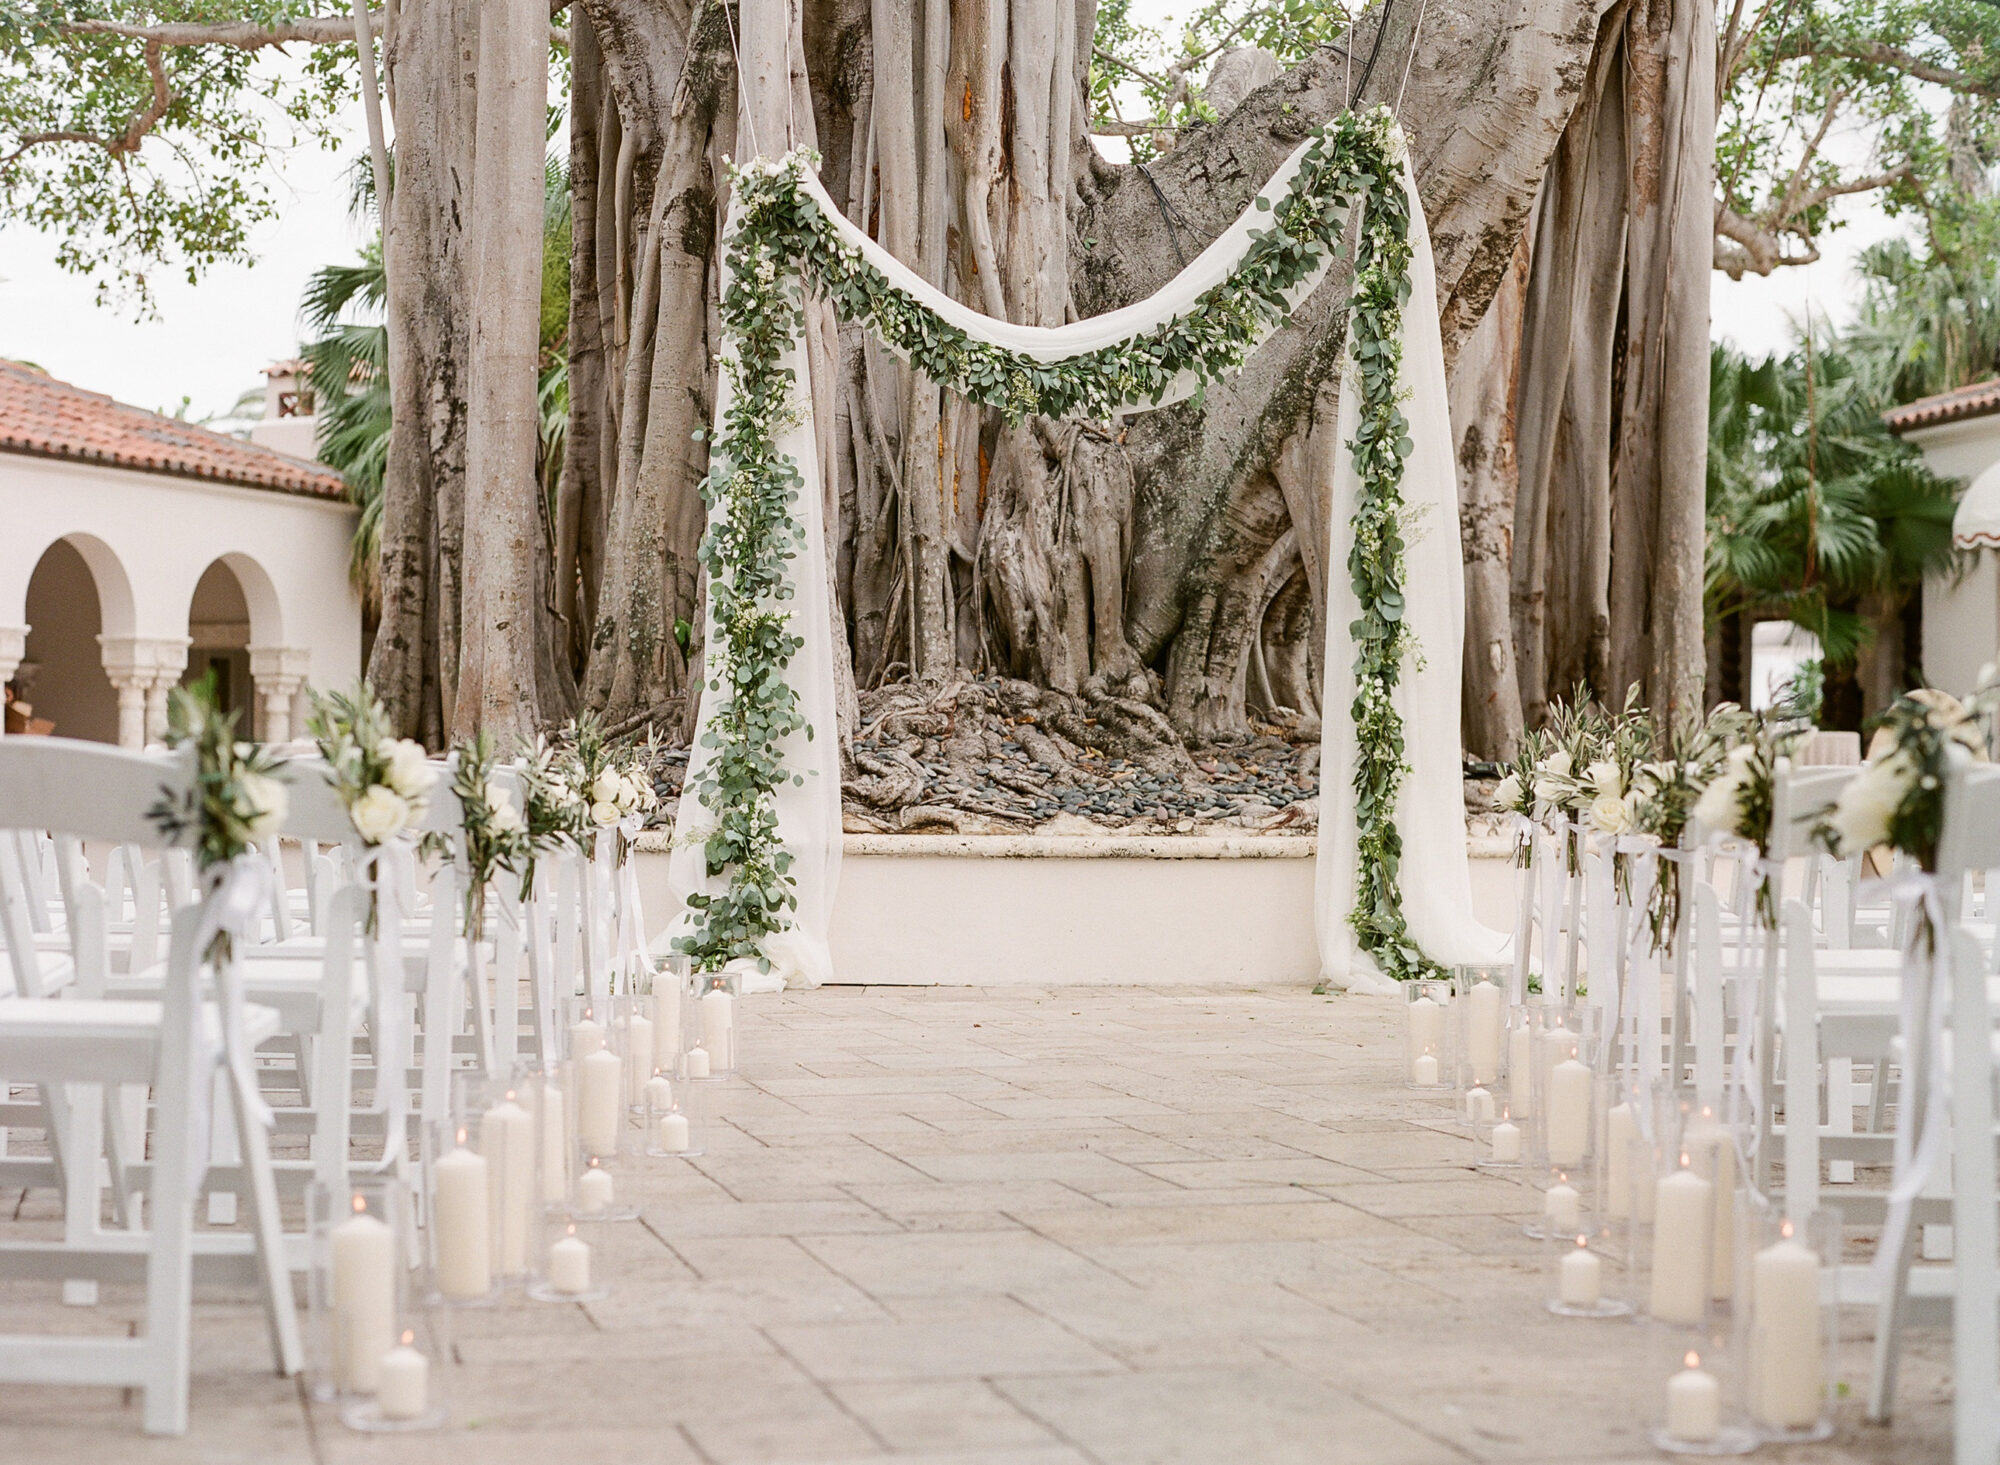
(13, 647)
(142, 669)
(277, 673)
(170, 658)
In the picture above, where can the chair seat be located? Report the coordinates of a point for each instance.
(99, 1041)
(289, 985)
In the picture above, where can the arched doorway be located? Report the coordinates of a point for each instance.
(219, 641)
(62, 674)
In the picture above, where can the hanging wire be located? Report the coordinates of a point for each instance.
(1416, 35)
(743, 109)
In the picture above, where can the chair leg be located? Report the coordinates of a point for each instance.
(1975, 1318)
(274, 1275)
(1889, 1315)
(76, 1123)
(225, 1147)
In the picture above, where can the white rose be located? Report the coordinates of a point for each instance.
(1860, 820)
(1557, 763)
(1508, 794)
(1606, 778)
(265, 802)
(605, 814)
(379, 814)
(628, 793)
(1741, 756)
(1720, 806)
(505, 816)
(410, 772)
(1609, 815)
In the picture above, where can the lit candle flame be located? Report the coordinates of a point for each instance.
(1693, 1360)
(360, 1205)
(408, 1337)
(461, 1134)
(1582, 1240)
(1785, 1230)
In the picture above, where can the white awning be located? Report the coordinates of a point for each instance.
(1976, 525)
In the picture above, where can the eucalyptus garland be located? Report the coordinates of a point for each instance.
(780, 239)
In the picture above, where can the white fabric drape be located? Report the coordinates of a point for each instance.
(1430, 811)
(1436, 883)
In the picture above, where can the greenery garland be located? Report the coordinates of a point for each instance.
(779, 237)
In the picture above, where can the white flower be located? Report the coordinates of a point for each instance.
(410, 772)
(605, 814)
(1610, 815)
(1606, 779)
(1508, 795)
(505, 817)
(264, 802)
(1860, 819)
(1742, 756)
(1720, 806)
(379, 814)
(605, 789)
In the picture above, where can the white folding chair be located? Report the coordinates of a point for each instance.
(75, 1047)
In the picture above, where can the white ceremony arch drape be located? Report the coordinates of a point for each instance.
(808, 807)
(1430, 811)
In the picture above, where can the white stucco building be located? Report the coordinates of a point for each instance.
(1959, 435)
(138, 551)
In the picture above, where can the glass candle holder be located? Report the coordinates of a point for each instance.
(1480, 1007)
(358, 1282)
(1506, 1143)
(1680, 1248)
(1523, 1022)
(1565, 1085)
(1427, 1058)
(600, 1084)
(668, 989)
(1566, 1208)
(1699, 1406)
(568, 1266)
(462, 1234)
(1789, 1307)
(409, 1395)
(710, 1018)
(498, 1122)
(671, 1123)
(1585, 1281)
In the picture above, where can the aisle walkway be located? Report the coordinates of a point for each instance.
(968, 1227)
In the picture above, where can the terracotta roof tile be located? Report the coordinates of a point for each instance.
(1981, 399)
(52, 419)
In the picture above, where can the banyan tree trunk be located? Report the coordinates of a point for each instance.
(1612, 402)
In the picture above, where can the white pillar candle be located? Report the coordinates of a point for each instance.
(1620, 1129)
(461, 1212)
(697, 1062)
(674, 1133)
(718, 1027)
(507, 1140)
(1426, 1020)
(1564, 1209)
(1786, 1366)
(1694, 1404)
(1581, 1281)
(1569, 1112)
(593, 1192)
(1682, 1218)
(666, 1021)
(1521, 1070)
(1479, 1106)
(599, 1102)
(659, 1095)
(363, 1291)
(1424, 1072)
(1485, 1025)
(638, 1056)
(1507, 1143)
(405, 1392)
(569, 1264)
(585, 1037)
(555, 1145)
(1714, 1155)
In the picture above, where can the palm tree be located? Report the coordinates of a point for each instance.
(346, 356)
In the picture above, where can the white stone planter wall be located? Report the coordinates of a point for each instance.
(1000, 910)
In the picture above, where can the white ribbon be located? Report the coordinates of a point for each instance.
(1922, 1128)
(233, 900)
(382, 869)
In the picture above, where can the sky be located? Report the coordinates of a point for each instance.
(209, 342)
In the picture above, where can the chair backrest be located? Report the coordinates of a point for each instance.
(1970, 839)
(90, 790)
(313, 809)
(1800, 798)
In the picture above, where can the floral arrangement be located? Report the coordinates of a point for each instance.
(780, 236)
(1667, 791)
(385, 781)
(552, 805)
(495, 833)
(237, 799)
(613, 784)
(1898, 798)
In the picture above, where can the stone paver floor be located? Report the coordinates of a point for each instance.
(955, 1226)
